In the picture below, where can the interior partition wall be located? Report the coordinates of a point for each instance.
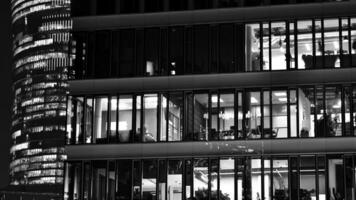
(278, 177)
(213, 115)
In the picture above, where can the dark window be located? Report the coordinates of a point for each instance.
(129, 6)
(226, 48)
(201, 50)
(106, 7)
(176, 51)
(80, 54)
(126, 55)
(153, 5)
(80, 7)
(152, 51)
(203, 4)
(175, 5)
(102, 54)
(99, 180)
(228, 3)
(253, 2)
(115, 64)
(188, 50)
(276, 2)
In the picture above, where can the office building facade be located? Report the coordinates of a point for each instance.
(213, 99)
(41, 35)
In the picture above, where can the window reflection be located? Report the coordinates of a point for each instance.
(307, 178)
(88, 116)
(278, 46)
(226, 117)
(124, 175)
(201, 179)
(149, 179)
(280, 179)
(331, 43)
(253, 47)
(113, 120)
(99, 180)
(336, 178)
(256, 179)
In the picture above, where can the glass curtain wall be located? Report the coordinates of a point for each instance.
(310, 111)
(255, 178)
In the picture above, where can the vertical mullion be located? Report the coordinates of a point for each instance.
(261, 46)
(288, 114)
(218, 178)
(236, 100)
(271, 179)
(236, 177)
(288, 45)
(192, 178)
(326, 177)
(142, 118)
(243, 113)
(315, 114)
(270, 111)
(262, 113)
(117, 118)
(83, 121)
(81, 193)
(218, 117)
(167, 116)
(343, 125)
(269, 46)
(297, 107)
(316, 176)
(107, 179)
(159, 109)
(296, 44)
(209, 117)
(108, 121)
(313, 42)
(349, 43)
(262, 177)
(209, 178)
(289, 175)
(134, 120)
(342, 58)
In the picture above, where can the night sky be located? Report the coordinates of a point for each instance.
(5, 88)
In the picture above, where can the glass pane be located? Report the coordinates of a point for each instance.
(176, 50)
(174, 185)
(214, 170)
(149, 179)
(349, 175)
(307, 178)
(227, 177)
(226, 117)
(320, 113)
(266, 34)
(321, 178)
(333, 117)
(305, 44)
(319, 45)
(280, 178)
(336, 178)
(354, 109)
(294, 176)
(151, 51)
(347, 114)
(266, 114)
(188, 179)
(240, 180)
(253, 47)
(125, 118)
(175, 117)
(239, 116)
(100, 119)
(226, 48)
(292, 41)
(88, 120)
(306, 106)
(293, 118)
(279, 114)
(201, 175)
(124, 175)
(113, 119)
(136, 186)
(256, 179)
(201, 49)
(353, 41)
(162, 179)
(79, 120)
(164, 113)
(331, 43)
(99, 180)
(149, 129)
(278, 45)
(253, 115)
(267, 178)
(201, 116)
(138, 131)
(111, 180)
(346, 43)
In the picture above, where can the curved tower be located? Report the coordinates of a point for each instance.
(41, 33)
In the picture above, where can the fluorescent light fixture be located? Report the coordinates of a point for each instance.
(280, 94)
(254, 100)
(283, 99)
(214, 99)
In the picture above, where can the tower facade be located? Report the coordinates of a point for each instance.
(41, 34)
(212, 99)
